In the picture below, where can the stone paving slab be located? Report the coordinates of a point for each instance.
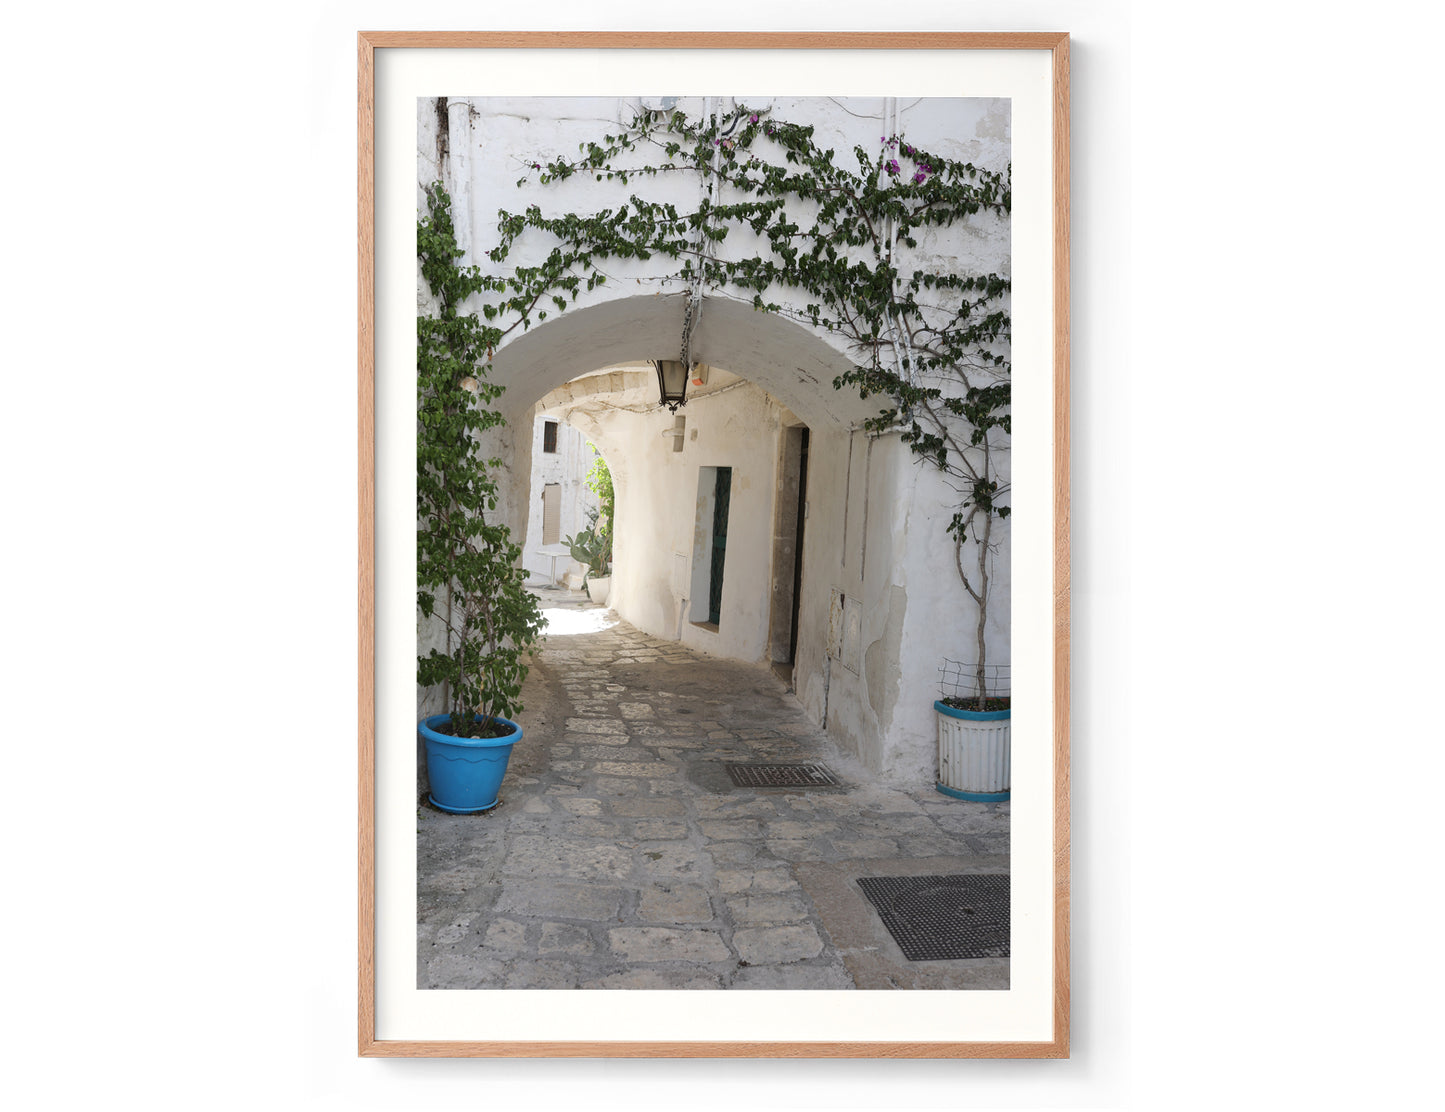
(618, 858)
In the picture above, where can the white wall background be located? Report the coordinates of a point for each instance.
(1257, 390)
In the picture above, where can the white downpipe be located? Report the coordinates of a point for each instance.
(898, 336)
(459, 174)
(890, 129)
(906, 374)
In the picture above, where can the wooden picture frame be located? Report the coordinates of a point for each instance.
(1051, 53)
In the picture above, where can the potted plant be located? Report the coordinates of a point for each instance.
(974, 737)
(469, 576)
(599, 482)
(973, 712)
(592, 547)
(974, 743)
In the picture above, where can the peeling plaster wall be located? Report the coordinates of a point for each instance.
(857, 575)
(822, 570)
(876, 557)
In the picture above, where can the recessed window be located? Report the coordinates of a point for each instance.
(549, 436)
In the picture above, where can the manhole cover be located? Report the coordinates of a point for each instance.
(749, 775)
(935, 918)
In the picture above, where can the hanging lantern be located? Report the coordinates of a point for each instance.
(671, 382)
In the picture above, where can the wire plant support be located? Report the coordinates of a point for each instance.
(959, 680)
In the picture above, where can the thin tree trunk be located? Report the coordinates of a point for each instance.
(446, 683)
(983, 607)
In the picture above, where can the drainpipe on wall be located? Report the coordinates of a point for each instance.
(458, 172)
(827, 680)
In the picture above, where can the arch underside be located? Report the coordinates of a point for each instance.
(790, 362)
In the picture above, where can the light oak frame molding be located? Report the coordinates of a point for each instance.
(368, 42)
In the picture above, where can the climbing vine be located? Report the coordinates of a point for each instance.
(604, 518)
(778, 212)
(491, 621)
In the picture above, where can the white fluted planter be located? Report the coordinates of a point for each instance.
(973, 753)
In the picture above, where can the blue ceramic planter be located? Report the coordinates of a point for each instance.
(465, 772)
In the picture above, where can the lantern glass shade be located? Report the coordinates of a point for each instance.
(671, 382)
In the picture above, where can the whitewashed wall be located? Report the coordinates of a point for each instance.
(657, 494)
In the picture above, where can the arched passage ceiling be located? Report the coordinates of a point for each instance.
(787, 360)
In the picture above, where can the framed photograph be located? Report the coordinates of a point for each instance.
(714, 511)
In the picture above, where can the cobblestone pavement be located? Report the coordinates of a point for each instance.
(621, 856)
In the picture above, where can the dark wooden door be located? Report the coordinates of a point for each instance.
(798, 544)
(722, 495)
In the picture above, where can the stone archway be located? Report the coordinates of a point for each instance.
(588, 367)
(845, 601)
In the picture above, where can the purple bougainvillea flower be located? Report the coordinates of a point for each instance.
(753, 118)
(891, 166)
(919, 178)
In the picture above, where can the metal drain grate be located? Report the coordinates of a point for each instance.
(748, 775)
(935, 918)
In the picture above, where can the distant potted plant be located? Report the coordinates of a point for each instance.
(592, 547)
(599, 482)
(469, 576)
